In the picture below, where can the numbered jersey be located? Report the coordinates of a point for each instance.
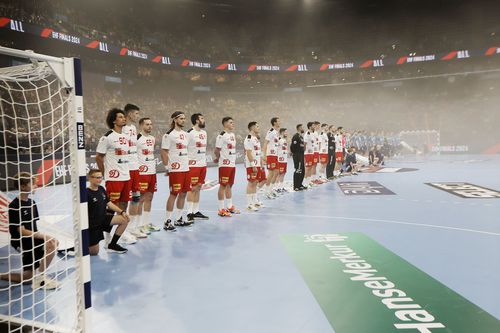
(252, 144)
(309, 142)
(131, 132)
(176, 142)
(282, 150)
(338, 143)
(146, 154)
(226, 142)
(197, 148)
(272, 137)
(323, 143)
(115, 146)
(316, 141)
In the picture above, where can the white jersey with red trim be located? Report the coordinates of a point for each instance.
(197, 148)
(316, 141)
(116, 163)
(309, 142)
(146, 154)
(131, 131)
(323, 141)
(226, 142)
(338, 143)
(272, 137)
(283, 151)
(176, 142)
(252, 143)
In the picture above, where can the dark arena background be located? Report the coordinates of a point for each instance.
(410, 243)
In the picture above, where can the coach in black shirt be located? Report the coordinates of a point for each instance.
(330, 167)
(297, 149)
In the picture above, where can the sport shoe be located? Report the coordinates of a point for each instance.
(115, 248)
(41, 281)
(181, 223)
(127, 238)
(168, 226)
(224, 213)
(190, 218)
(152, 227)
(259, 204)
(233, 210)
(270, 196)
(200, 216)
(252, 208)
(145, 230)
(137, 233)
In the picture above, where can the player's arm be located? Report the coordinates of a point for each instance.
(164, 158)
(99, 158)
(218, 147)
(251, 158)
(217, 154)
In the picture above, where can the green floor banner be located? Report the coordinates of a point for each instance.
(364, 288)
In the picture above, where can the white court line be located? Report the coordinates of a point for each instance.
(372, 220)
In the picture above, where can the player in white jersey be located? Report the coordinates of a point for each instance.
(323, 152)
(339, 151)
(197, 153)
(315, 134)
(270, 150)
(225, 156)
(147, 173)
(132, 114)
(282, 159)
(174, 154)
(112, 160)
(253, 159)
(309, 142)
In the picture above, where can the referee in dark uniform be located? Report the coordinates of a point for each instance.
(297, 149)
(330, 167)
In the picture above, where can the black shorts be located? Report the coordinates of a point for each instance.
(32, 251)
(95, 233)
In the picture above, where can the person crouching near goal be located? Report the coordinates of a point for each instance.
(253, 158)
(37, 249)
(99, 219)
(174, 154)
(147, 173)
(225, 156)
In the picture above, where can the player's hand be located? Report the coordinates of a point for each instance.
(126, 217)
(216, 160)
(254, 169)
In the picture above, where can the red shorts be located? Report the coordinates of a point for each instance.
(339, 156)
(119, 190)
(258, 176)
(179, 182)
(308, 160)
(147, 183)
(323, 158)
(134, 180)
(272, 162)
(197, 175)
(316, 158)
(282, 167)
(226, 175)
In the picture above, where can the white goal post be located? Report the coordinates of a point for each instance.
(42, 127)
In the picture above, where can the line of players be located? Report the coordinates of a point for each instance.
(125, 158)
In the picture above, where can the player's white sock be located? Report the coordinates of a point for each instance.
(196, 207)
(145, 218)
(221, 204)
(169, 215)
(229, 203)
(269, 188)
(178, 212)
(133, 222)
(249, 199)
(190, 207)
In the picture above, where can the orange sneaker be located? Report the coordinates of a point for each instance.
(224, 213)
(233, 210)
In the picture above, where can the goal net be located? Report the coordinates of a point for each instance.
(420, 142)
(41, 133)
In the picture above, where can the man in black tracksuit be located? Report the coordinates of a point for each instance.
(297, 149)
(331, 152)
